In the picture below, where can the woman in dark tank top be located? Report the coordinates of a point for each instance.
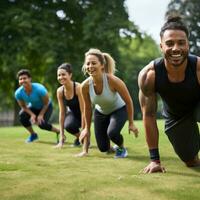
(70, 104)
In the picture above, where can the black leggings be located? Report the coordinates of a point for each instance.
(24, 117)
(108, 127)
(72, 123)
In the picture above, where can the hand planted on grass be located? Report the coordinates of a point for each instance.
(82, 154)
(59, 145)
(153, 167)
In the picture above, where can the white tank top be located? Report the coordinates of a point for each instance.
(107, 101)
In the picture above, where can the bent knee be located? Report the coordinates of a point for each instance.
(112, 134)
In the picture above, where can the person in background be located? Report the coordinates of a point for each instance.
(176, 78)
(70, 104)
(36, 106)
(112, 101)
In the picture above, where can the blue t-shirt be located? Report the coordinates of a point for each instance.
(34, 99)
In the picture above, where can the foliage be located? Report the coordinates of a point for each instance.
(140, 52)
(42, 34)
(189, 9)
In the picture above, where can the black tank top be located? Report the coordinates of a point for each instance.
(180, 98)
(73, 104)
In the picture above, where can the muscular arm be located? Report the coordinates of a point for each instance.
(148, 103)
(148, 107)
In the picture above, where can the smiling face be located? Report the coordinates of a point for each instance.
(175, 47)
(93, 66)
(63, 76)
(24, 80)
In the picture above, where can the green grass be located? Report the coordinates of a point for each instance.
(37, 171)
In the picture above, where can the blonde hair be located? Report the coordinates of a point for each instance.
(104, 58)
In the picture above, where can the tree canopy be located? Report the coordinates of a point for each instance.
(140, 52)
(42, 34)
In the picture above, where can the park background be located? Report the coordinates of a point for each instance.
(42, 34)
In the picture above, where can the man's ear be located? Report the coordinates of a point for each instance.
(161, 46)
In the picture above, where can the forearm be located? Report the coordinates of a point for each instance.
(130, 112)
(88, 118)
(61, 123)
(27, 110)
(43, 110)
(151, 131)
(82, 122)
(86, 107)
(152, 137)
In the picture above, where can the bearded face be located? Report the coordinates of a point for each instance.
(175, 47)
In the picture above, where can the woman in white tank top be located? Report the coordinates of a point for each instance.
(112, 101)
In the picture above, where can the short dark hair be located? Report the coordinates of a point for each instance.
(23, 72)
(174, 23)
(67, 67)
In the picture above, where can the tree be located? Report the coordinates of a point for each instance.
(42, 34)
(189, 9)
(140, 52)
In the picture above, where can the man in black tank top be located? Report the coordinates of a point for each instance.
(176, 78)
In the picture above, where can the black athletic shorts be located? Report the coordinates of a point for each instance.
(184, 135)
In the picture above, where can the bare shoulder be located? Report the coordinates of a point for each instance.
(198, 63)
(112, 79)
(60, 90)
(77, 84)
(78, 87)
(198, 69)
(146, 79)
(85, 84)
(114, 82)
(60, 93)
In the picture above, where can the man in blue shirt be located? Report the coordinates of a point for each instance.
(36, 106)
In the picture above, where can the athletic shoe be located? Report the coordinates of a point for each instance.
(32, 138)
(121, 153)
(112, 149)
(76, 143)
(115, 147)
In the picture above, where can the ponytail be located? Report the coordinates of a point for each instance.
(104, 58)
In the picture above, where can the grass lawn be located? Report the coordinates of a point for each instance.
(37, 171)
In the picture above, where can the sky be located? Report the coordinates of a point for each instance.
(148, 15)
